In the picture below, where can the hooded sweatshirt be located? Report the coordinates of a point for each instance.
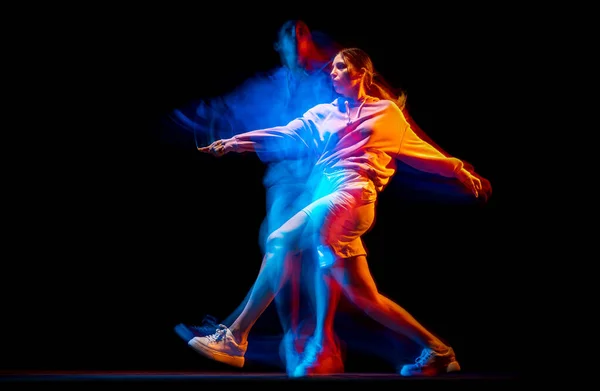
(338, 139)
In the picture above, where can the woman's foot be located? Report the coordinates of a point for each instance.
(221, 346)
(319, 359)
(432, 363)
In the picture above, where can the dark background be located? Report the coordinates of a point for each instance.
(127, 230)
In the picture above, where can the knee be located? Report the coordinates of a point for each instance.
(276, 242)
(262, 236)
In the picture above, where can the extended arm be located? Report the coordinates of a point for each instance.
(292, 140)
(421, 155)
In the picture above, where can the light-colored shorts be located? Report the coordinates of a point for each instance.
(344, 212)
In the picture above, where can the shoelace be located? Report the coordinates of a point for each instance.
(218, 335)
(424, 357)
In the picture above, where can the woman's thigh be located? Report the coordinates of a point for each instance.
(337, 221)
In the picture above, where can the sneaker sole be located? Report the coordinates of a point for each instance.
(217, 356)
(454, 366)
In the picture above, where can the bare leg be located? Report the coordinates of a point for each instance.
(285, 300)
(357, 283)
(280, 204)
(322, 353)
(326, 298)
(274, 273)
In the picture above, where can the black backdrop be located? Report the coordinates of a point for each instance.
(132, 231)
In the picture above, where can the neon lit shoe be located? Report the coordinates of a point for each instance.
(319, 360)
(431, 363)
(208, 326)
(220, 346)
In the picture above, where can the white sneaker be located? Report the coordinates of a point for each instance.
(220, 346)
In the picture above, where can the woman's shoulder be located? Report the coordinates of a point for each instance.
(389, 106)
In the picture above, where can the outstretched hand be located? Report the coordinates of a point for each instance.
(219, 147)
(470, 181)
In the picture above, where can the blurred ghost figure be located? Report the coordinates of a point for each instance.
(266, 100)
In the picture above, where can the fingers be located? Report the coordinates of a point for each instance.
(473, 183)
(210, 149)
(477, 186)
(217, 148)
(470, 184)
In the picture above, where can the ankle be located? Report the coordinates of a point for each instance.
(329, 339)
(443, 349)
(240, 338)
(439, 347)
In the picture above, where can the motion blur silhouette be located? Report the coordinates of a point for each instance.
(268, 99)
(351, 146)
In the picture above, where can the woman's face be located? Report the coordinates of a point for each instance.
(342, 77)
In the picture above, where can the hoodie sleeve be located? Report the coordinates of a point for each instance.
(423, 156)
(295, 140)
